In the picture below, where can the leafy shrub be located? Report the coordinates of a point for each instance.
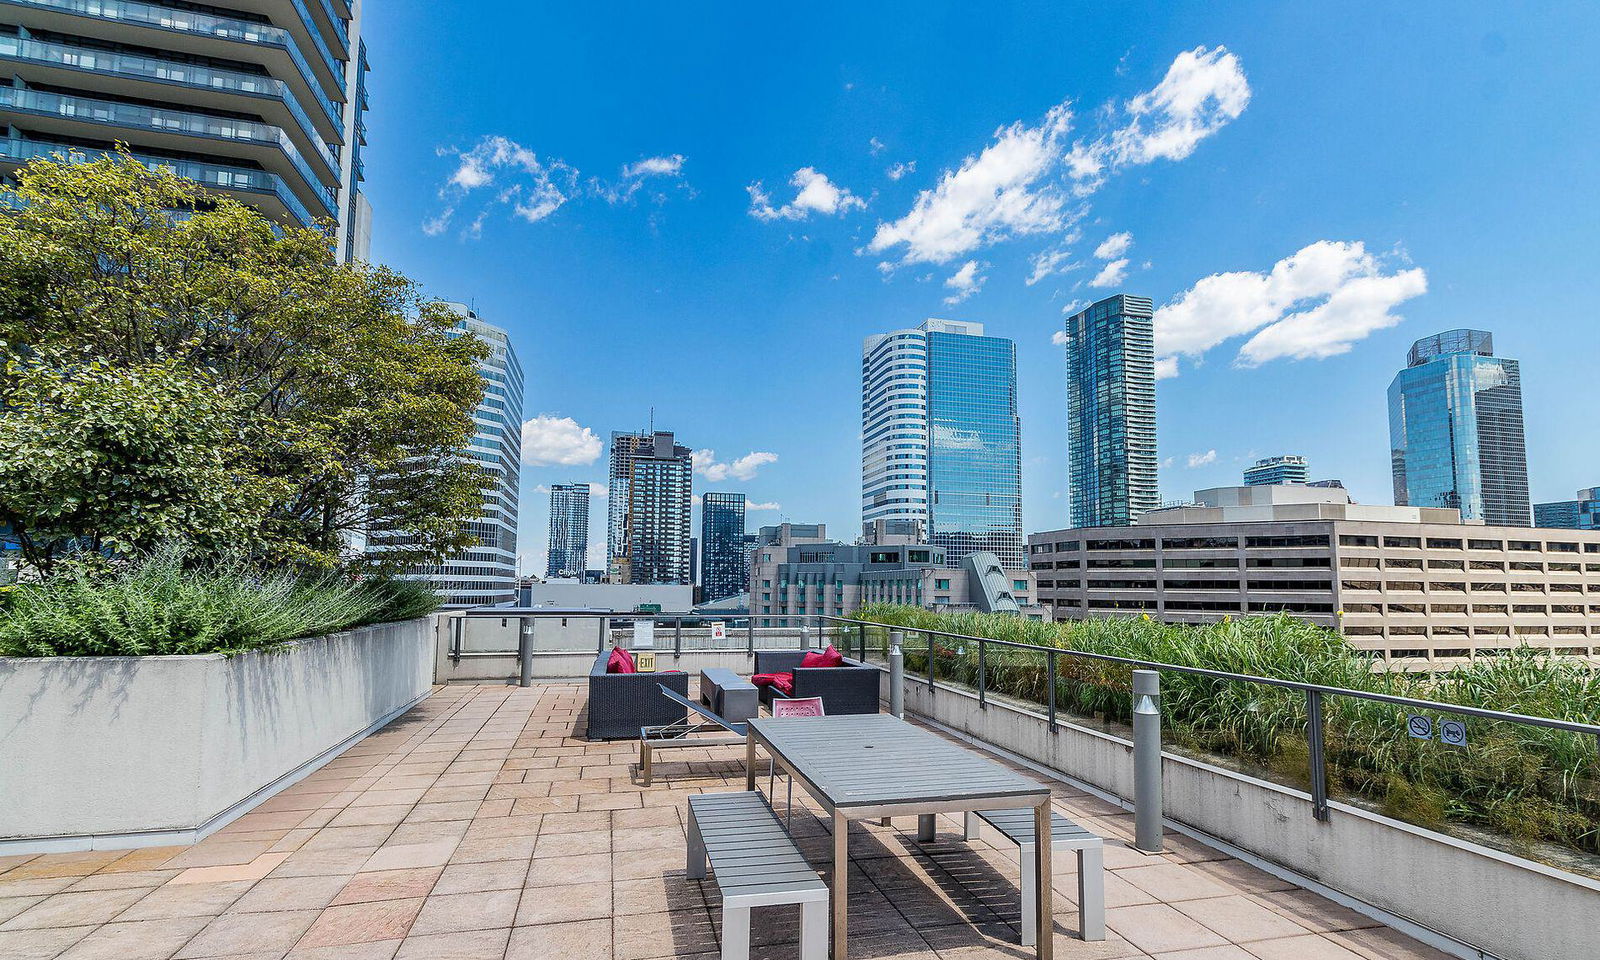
(158, 605)
(1532, 783)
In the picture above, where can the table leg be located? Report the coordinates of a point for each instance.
(841, 885)
(750, 763)
(1045, 918)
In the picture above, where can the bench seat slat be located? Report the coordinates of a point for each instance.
(749, 851)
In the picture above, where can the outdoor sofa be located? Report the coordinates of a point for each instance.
(851, 688)
(621, 703)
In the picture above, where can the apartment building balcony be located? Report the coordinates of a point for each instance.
(315, 181)
(261, 189)
(297, 55)
(91, 70)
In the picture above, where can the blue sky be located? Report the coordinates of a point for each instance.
(704, 208)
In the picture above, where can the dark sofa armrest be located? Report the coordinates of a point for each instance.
(778, 661)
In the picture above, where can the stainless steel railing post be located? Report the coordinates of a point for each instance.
(1319, 761)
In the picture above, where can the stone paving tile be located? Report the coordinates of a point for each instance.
(478, 828)
(363, 923)
(138, 940)
(236, 933)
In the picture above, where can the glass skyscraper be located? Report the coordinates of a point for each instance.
(894, 427)
(1456, 431)
(1580, 514)
(724, 562)
(941, 439)
(1273, 471)
(569, 530)
(1111, 412)
(647, 539)
(484, 574)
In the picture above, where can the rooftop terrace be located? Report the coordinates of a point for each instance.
(480, 825)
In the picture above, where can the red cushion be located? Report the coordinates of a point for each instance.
(621, 661)
(783, 682)
(827, 658)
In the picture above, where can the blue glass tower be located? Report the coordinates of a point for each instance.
(724, 564)
(974, 443)
(1111, 412)
(1456, 431)
(1580, 514)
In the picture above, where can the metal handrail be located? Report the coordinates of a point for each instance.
(1314, 692)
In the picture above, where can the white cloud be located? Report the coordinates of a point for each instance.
(1114, 246)
(965, 282)
(1073, 306)
(548, 440)
(1111, 274)
(1201, 459)
(1059, 260)
(1059, 338)
(743, 468)
(765, 505)
(1313, 304)
(1002, 192)
(633, 178)
(1202, 92)
(670, 166)
(532, 188)
(876, 146)
(815, 194)
(899, 170)
(1022, 183)
(1166, 368)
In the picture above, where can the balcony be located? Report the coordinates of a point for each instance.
(89, 69)
(259, 188)
(196, 33)
(62, 115)
(481, 822)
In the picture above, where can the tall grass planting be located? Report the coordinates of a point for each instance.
(160, 605)
(1530, 783)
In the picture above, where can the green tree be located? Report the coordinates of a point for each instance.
(320, 401)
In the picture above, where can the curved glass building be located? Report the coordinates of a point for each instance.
(941, 438)
(1456, 430)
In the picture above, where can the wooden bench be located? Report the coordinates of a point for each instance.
(756, 865)
(1017, 826)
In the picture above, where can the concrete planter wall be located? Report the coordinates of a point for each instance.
(1463, 897)
(104, 753)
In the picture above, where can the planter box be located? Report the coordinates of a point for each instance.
(115, 752)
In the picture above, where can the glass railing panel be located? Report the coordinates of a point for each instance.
(194, 75)
(189, 21)
(207, 174)
(167, 121)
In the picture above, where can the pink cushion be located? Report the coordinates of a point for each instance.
(621, 661)
(783, 682)
(827, 658)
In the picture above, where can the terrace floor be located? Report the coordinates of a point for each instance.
(477, 826)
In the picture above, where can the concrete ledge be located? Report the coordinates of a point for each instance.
(116, 752)
(1461, 897)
